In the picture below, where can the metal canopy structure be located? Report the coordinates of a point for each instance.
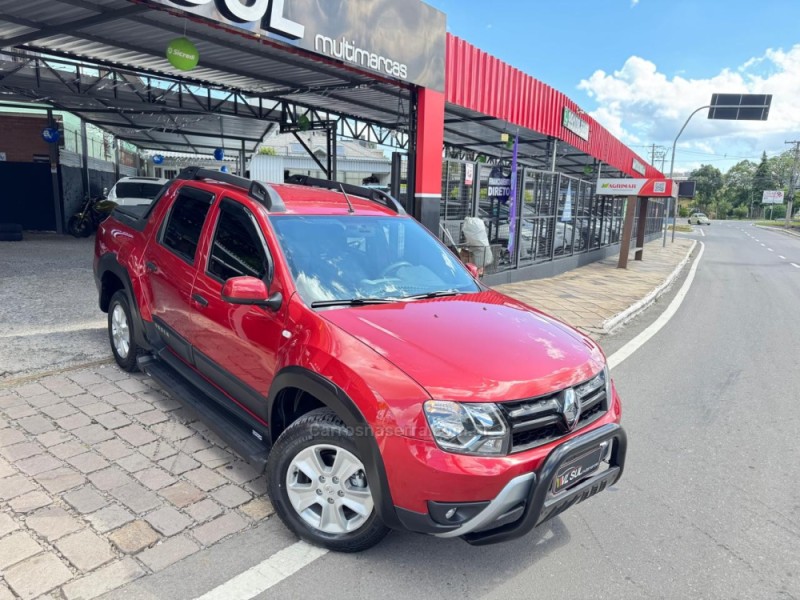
(487, 97)
(469, 134)
(104, 60)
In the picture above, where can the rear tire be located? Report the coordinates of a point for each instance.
(121, 334)
(79, 227)
(317, 483)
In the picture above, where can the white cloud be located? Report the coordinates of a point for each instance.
(641, 105)
(634, 3)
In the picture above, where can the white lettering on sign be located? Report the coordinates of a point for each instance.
(349, 52)
(270, 12)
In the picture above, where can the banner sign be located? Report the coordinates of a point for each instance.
(638, 167)
(566, 216)
(400, 40)
(499, 185)
(570, 120)
(649, 188)
(469, 175)
(772, 197)
(512, 207)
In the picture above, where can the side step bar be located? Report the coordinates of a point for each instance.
(236, 432)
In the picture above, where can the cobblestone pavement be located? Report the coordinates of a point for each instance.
(104, 479)
(589, 296)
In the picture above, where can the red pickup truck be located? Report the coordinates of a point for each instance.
(329, 337)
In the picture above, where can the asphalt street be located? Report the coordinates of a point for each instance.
(709, 506)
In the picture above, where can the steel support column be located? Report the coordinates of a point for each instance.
(54, 180)
(428, 159)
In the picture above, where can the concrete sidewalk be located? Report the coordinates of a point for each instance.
(105, 479)
(599, 297)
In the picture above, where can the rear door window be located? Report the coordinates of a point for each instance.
(182, 229)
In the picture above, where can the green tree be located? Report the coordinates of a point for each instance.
(709, 182)
(764, 178)
(739, 183)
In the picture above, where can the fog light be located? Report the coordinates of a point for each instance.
(450, 514)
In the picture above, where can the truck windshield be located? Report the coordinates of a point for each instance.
(358, 257)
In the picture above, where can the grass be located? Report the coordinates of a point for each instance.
(794, 224)
(681, 228)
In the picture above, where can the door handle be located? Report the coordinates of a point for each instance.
(198, 299)
(151, 266)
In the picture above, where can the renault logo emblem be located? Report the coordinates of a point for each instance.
(570, 408)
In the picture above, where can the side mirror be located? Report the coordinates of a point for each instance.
(473, 270)
(250, 290)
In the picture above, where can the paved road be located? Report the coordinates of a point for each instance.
(709, 506)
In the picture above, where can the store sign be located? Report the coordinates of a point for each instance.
(772, 197)
(182, 54)
(469, 175)
(639, 167)
(570, 120)
(403, 40)
(649, 188)
(2, 157)
(499, 185)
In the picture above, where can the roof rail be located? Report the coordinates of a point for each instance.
(261, 193)
(378, 196)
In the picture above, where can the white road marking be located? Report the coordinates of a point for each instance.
(763, 245)
(266, 574)
(31, 331)
(796, 266)
(782, 257)
(770, 249)
(632, 346)
(703, 233)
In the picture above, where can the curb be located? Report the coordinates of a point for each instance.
(637, 307)
(778, 229)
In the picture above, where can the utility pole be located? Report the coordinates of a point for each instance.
(791, 182)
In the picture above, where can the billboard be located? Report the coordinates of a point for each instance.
(650, 188)
(772, 197)
(400, 40)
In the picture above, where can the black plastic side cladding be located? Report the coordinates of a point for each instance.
(337, 400)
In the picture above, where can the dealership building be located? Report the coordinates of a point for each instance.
(463, 134)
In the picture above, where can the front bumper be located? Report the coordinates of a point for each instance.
(527, 501)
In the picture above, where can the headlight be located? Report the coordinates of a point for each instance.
(467, 428)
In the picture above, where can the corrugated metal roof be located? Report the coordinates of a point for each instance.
(134, 35)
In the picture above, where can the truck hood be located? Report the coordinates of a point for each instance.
(474, 347)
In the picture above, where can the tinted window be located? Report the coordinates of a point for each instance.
(342, 258)
(182, 231)
(237, 249)
(130, 189)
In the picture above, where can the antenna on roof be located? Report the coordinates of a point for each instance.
(346, 197)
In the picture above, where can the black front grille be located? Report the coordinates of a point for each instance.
(539, 421)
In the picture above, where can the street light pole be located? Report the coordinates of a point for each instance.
(672, 168)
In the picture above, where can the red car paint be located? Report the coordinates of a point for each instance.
(387, 358)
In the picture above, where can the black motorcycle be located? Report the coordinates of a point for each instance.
(86, 221)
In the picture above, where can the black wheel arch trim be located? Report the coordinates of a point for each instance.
(339, 402)
(108, 263)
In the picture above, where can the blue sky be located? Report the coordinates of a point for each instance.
(641, 67)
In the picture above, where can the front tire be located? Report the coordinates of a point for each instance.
(317, 483)
(120, 332)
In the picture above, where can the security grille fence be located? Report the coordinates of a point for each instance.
(557, 216)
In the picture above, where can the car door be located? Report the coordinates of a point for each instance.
(236, 346)
(170, 259)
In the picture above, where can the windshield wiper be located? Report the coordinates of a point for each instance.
(438, 294)
(352, 302)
